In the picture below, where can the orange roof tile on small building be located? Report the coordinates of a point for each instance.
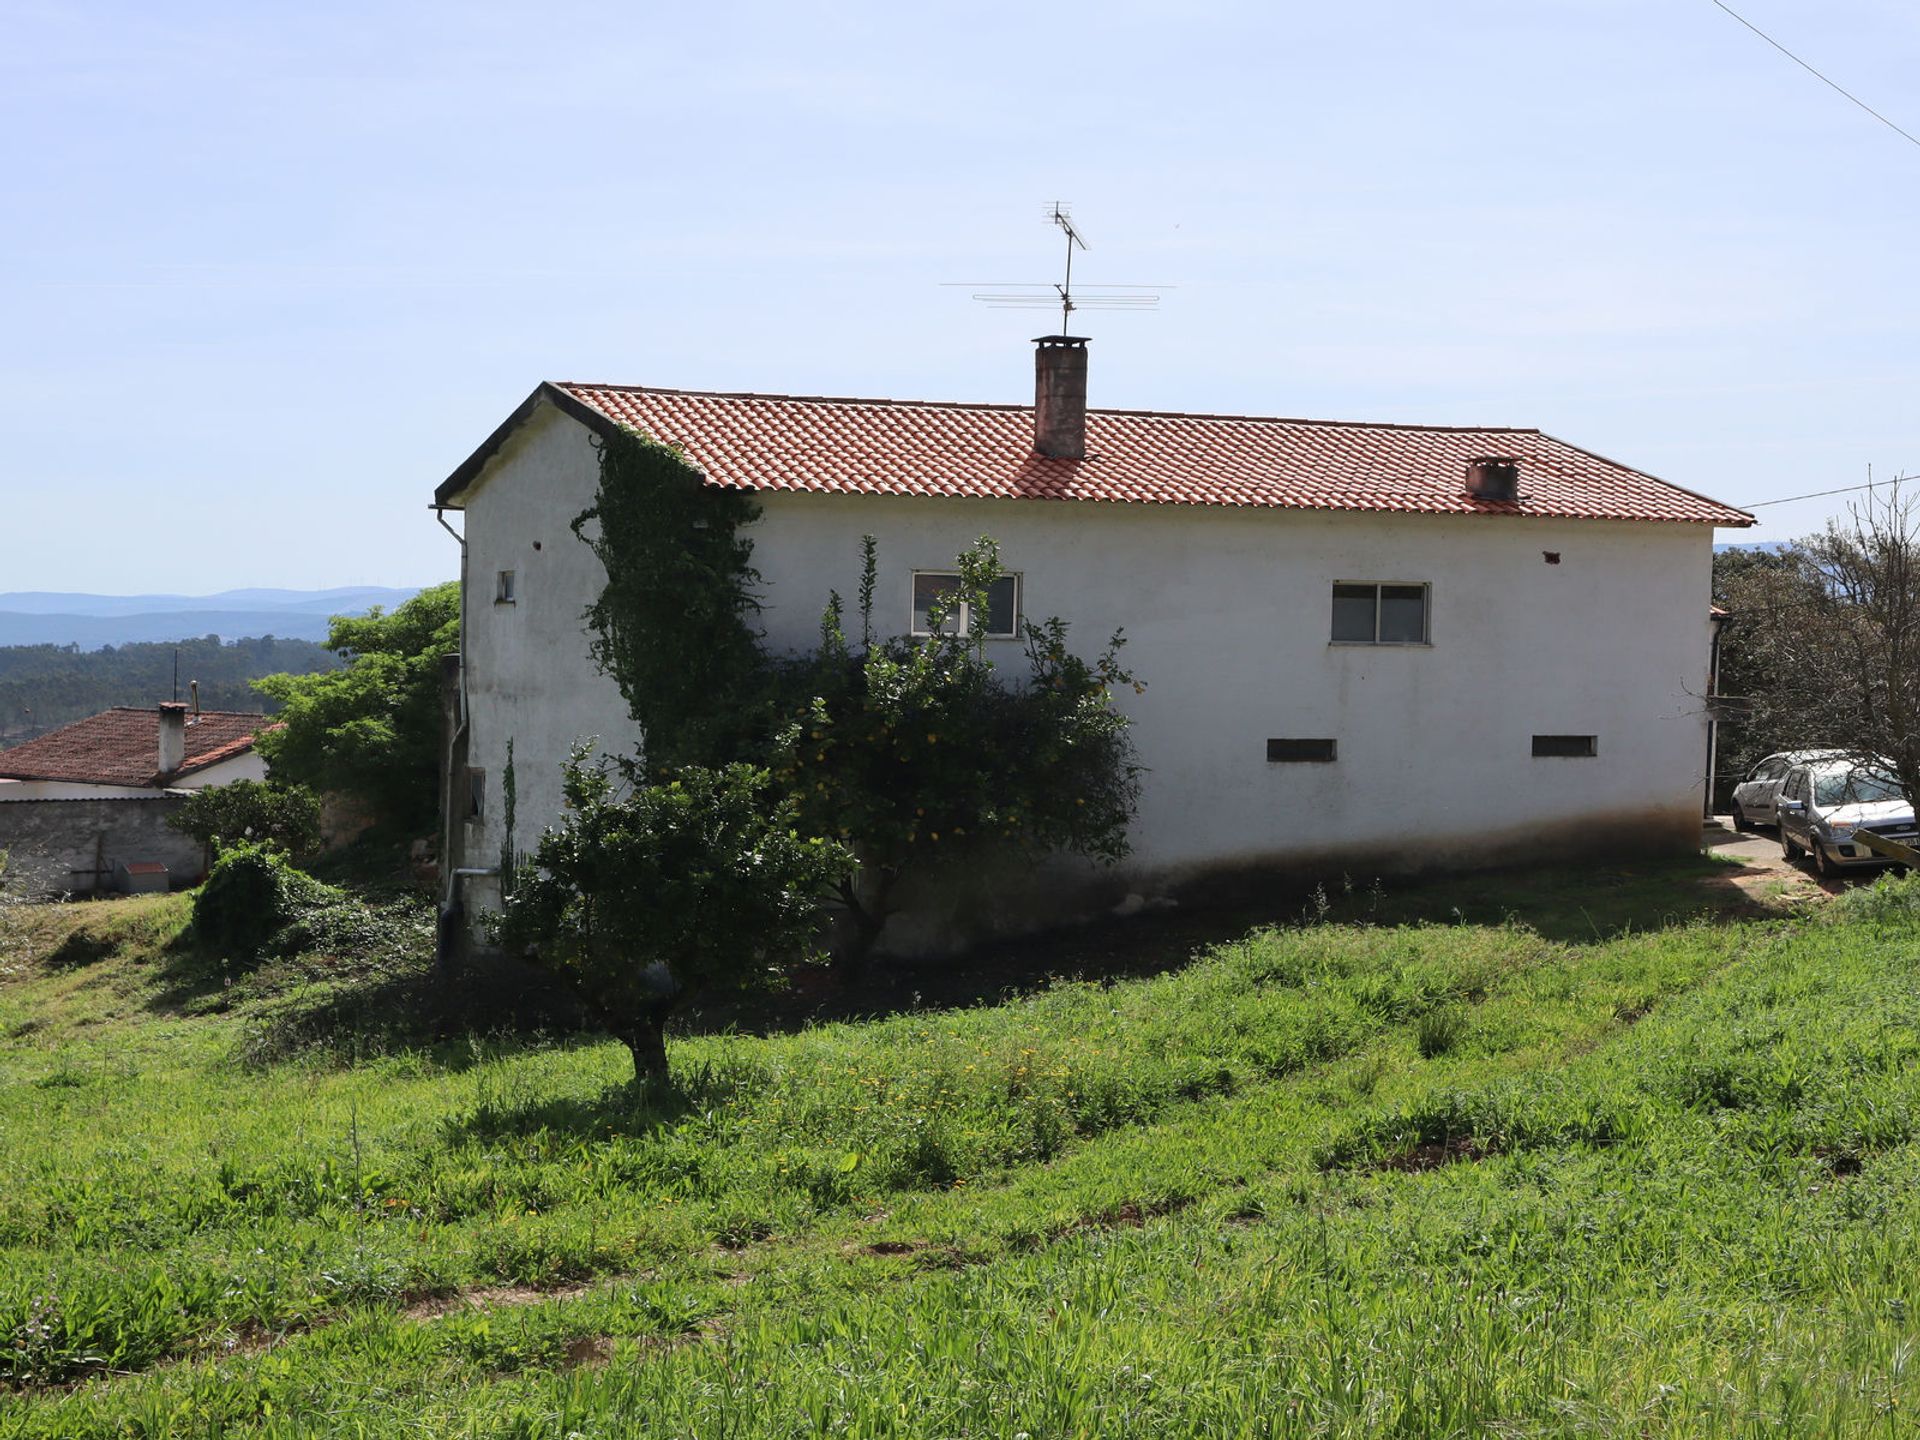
(122, 747)
(925, 448)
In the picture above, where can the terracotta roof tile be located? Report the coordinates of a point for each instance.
(122, 747)
(895, 447)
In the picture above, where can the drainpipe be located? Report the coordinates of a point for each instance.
(452, 912)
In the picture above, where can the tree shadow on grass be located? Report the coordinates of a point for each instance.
(495, 1008)
(1571, 904)
(626, 1108)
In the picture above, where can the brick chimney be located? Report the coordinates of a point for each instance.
(173, 737)
(1060, 396)
(1494, 477)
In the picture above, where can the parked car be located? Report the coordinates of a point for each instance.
(1753, 797)
(1822, 807)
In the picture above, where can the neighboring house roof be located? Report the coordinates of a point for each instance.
(122, 747)
(911, 447)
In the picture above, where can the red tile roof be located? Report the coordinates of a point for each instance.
(122, 747)
(909, 447)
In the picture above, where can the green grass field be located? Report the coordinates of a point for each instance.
(1611, 1154)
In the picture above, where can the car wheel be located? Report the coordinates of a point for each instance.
(1787, 847)
(1822, 866)
(1740, 821)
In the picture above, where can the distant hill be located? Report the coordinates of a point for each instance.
(48, 617)
(43, 686)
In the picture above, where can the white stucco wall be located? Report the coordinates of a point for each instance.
(1228, 616)
(528, 675)
(250, 766)
(1228, 621)
(72, 790)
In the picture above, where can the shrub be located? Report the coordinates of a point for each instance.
(252, 898)
(1893, 899)
(222, 815)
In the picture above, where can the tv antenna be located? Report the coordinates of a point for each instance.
(1018, 296)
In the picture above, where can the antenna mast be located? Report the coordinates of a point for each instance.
(1059, 216)
(1020, 296)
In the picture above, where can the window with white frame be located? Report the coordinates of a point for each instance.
(504, 591)
(931, 587)
(1380, 613)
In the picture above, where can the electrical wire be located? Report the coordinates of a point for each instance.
(1817, 494)
(1904, 135)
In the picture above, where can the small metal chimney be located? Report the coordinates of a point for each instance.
(1494, 477)
(173, 737)
(1060, 396)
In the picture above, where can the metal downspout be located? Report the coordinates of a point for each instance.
(452, 874)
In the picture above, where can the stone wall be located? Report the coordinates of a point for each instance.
(61, 846)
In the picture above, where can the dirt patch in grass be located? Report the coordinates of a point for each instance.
(487, 1297)
(1842, 1164)
(1432, 1154)
(587, 1352)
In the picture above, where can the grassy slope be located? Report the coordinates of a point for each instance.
(1340, 1179)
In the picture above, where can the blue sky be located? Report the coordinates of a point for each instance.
(267, 273)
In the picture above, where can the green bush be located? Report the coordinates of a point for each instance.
(1893, 899)
(223, 815)
(253, 897)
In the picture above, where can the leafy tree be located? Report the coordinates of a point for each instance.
(915, 751)
(650, 895)
(372, 728)
(287, 816)
(1826, 641)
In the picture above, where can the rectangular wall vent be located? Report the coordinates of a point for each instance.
(1566, 747)
(1311, 750)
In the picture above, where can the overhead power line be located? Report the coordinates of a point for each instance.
(1817, 494)
(1833, 85)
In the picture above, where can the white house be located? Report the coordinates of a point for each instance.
(1368, 648)
(85, 806)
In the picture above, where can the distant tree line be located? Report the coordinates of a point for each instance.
(45, 686)
(1822, 647)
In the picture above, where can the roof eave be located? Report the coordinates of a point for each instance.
(451, 492)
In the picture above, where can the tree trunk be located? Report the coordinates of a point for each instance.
(868, 921)
(647, 1040)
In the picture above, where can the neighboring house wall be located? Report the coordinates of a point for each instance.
(248, 766)
(74, 790)
(60, 846)
(1228, 618)
(241, 767)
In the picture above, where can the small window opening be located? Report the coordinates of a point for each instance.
(476, 794)
(1565, 747)
(504, 592)
(1379, 614)
(1320, 751)
(938, 586)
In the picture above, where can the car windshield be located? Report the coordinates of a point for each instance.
(1854, 785)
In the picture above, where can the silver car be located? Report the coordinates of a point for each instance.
(1754, 797)
(1823, 806)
